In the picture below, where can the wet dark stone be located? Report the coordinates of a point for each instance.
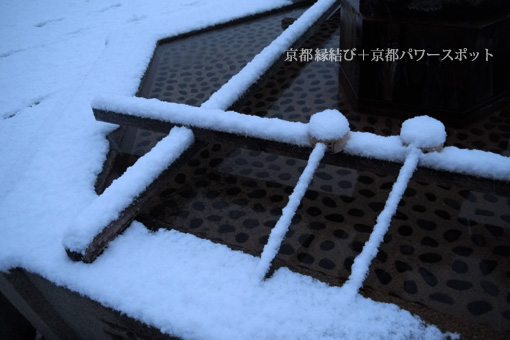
(426, 225)
(226, 228)
(263, 239)
(383, 276)
(259, 193)
(382, 256)
(502, 251)
(443, 214)
(235, 214)
(463, 251)
(506, 314)
(430, 258)
(311, 195)
(328, 202)
(443, 298)
(429, 242)
(357, 246)
(405, 230)
(386, 186)
(305, 258)
(348, 263)
(460, 267)
(195, 223)
(410, 192)
(479, 240)
(323, 175)
(313, 211)
(400, 216)
(365, 179)
(157, 211)
(459, 284)
(483, 212)
(334, 218)
(494, 230)
(199, 206)
(367, 193)
(341, 234)
(402, 267)
(490, 288)
(487, 266)
(214, 218)
(345, 184)
(180, 178)
(406, 249)
(452, 235)
(431, 197)
(276, 198)
(479, 307)
(376, 206)
(250, 223)
(419, 208)
(327, 245)
(284, 176)
(468, 195)
(242, 237)
(286, 249)
(316, 225)
(327, 264)
(410, 287)
(233, 191)
(362, 228)
(356, 212)
(306, 240)
(428, 277)
(347, 199)
(452, 203)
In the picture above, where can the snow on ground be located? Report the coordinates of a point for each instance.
(54, 58)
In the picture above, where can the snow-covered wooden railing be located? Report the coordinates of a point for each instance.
(87, 238)
(111, 212)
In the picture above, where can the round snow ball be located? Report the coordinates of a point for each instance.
(328, 125)
(423, 132)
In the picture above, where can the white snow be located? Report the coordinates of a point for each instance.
(219, 120)
(328, 125)
(55, 57)
(362, 262)
(119, 195)
(280, 229)
(423, 132)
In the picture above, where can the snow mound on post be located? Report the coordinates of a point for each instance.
(328, 125)
(423, 132)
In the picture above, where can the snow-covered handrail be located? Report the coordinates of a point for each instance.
(470, 162)
(206, 118)
(93, 228)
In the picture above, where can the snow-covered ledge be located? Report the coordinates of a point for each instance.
(471, 162)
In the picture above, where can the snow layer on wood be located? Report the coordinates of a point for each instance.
(471, 162)
(362, 262)
(121, 193)
(239, 84)
(423, 132)
(219, 120)
(281, 227)
(328, 125)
